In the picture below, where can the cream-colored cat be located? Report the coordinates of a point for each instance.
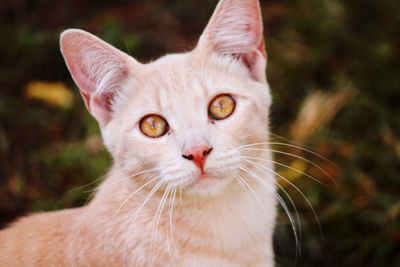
(192, 182)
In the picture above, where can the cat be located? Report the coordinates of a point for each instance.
(192, 183)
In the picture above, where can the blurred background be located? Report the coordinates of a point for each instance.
(335, 77)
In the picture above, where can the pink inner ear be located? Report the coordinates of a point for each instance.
(86, 85)
(104, 101)
(250, 58)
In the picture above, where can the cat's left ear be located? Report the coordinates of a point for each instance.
(236, 29)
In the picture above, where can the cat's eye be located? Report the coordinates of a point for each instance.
(153, 126)
(221, 107)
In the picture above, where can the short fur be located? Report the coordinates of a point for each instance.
(226, 219)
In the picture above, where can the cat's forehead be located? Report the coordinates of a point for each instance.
(169, 84)
(178, 75)
(191, 76)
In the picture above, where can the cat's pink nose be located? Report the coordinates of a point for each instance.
(198, 155)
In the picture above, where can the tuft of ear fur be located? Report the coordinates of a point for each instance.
(236, 29)
(99, 70)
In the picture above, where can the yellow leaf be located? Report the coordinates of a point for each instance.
(296, 170)
(394, 211)
(55, 94)
(318, 109)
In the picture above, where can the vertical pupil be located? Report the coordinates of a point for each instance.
(153, 124)
(221, 106)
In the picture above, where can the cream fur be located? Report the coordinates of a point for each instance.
(217, 221)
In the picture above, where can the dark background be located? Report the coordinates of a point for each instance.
(335, 62)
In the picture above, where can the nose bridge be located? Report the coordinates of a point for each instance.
(195, 136)
(193, 125)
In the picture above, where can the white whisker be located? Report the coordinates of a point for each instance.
(293, 185)
(133, 175)
(280, 199)
(148, 196)
(131, 195)
(287, 145)
(289, 167)
(295, 156)
(157, 221)
(251, 190)
(243, 187)
(180, 195)
(171, 211)
(282, 202)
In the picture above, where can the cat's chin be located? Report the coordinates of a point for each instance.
(207, 184)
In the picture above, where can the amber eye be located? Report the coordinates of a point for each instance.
(221, 107)
(153, 126)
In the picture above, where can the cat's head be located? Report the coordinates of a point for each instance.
(184, 116)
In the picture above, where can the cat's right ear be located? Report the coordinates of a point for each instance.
(236, 29)
(99, 70)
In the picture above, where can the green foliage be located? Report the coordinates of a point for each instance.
(52, 157)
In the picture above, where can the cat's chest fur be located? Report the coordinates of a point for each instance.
(211, 232)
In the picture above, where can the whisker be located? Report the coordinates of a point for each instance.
(87, 185)
(293, 185)
(280, 199)
(243, 186)
(295, 156)
(92, 192)
(180, 195)
(116, 181)
(133, 175)
(292, 142)
(168, 233)
(252, 191)
(157, 218)
(128, 198)
(171, 211)
(146, 199)
(288, 145)
(298, 244)
(298, 220)
(287, 166)
(133, 194)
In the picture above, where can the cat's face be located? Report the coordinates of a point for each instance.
(180, 89)
(161, 116)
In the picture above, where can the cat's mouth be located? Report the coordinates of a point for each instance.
(205, 175)
(207, 183)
